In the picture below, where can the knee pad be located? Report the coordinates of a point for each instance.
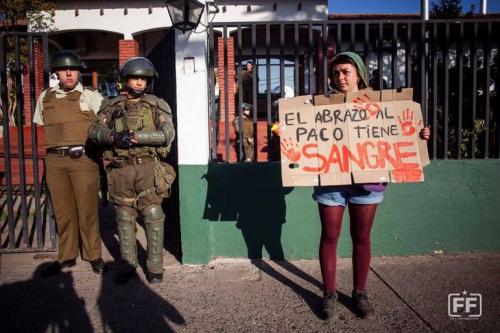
(153, 213)
(126, 234)
(124, 215)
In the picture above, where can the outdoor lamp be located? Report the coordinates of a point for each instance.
(185, 14)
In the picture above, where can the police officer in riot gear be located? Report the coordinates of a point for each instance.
(66, 112)
(138, 131)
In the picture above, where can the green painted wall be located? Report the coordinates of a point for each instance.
(242, 211)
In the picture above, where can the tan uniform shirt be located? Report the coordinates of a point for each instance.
(90, 100)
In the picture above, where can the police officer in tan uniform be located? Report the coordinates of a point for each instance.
(138, 130)
(66, 112)
(245, 124)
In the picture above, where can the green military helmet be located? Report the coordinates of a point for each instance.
(247, 106)
(138, 66)
(66, 59)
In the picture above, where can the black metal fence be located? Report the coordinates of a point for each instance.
(453, 66)
(26, 220)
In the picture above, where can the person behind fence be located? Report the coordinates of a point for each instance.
(66, 112)
(244, 126)
(247, 83)
(138, 131)
(348, 74)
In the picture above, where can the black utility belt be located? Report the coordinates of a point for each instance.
(72, 151)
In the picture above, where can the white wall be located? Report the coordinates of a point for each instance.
(114, 18)
(192, 99)
(262, 10)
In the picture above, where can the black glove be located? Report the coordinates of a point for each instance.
(122, 139)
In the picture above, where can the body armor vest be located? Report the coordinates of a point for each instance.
(65, 124)
(136, 117)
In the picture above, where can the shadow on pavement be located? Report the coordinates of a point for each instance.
(346, 301)
(134, 307)
(43, 305)
(312, 300)
(299, 273)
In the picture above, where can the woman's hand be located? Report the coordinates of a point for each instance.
(276, 128)
(425, 133)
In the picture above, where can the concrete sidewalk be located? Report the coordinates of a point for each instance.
(230, 295)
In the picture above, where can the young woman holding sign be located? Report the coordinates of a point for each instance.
(348, 74)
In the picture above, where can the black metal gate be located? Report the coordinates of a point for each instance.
(26, 220)
(163, 58)
(453, 66)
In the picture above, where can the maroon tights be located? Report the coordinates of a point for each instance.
(362, 217)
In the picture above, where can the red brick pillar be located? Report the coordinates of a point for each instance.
(127, 48)
(231, 86)
(38, 55)
(230, 79)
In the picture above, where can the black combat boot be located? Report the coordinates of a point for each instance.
(154, 277)
(362, 306)
(98, 266)
(329, 300)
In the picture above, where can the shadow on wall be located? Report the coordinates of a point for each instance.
(252, 196)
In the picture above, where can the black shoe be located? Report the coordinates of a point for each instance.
(56, 267)
(125, 276)
(329, 305)
(98, 266)
(362, 306)
(154, 277)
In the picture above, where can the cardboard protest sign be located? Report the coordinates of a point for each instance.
(300, 113)
(362, 137)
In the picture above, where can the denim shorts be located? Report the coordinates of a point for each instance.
(340, 195)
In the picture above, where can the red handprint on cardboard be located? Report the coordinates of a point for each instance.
(366, 103)
(407, 124)
(290, 150)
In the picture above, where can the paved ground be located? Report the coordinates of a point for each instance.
(409, 293)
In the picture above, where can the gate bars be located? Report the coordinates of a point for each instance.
(453, 66)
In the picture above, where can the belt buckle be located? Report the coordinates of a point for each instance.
(139, 160)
